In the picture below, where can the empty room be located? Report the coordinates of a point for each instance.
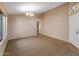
(39, 29)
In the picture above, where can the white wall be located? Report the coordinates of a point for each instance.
(56, 22)
(21, 26)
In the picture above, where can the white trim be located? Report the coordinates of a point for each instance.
(74, 44)
(1, 43)
(55, 37)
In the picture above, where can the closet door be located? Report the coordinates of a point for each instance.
(74, 24)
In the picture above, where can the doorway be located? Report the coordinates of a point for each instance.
(38, 28)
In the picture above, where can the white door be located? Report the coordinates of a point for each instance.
(74, 29)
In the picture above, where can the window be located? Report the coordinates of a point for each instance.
(3, 28)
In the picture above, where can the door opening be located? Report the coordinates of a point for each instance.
(38, 28)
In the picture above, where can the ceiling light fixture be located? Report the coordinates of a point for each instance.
(29, 14)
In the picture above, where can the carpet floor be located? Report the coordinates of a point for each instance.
(39, 46)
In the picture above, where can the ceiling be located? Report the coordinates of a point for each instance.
(35, 7)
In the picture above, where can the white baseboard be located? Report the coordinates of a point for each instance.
(20, 37)
(54, 37)
(74, 44)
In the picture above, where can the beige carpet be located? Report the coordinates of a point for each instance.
(39, 46)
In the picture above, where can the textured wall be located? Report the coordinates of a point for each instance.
(56, 22)
(21, 26)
